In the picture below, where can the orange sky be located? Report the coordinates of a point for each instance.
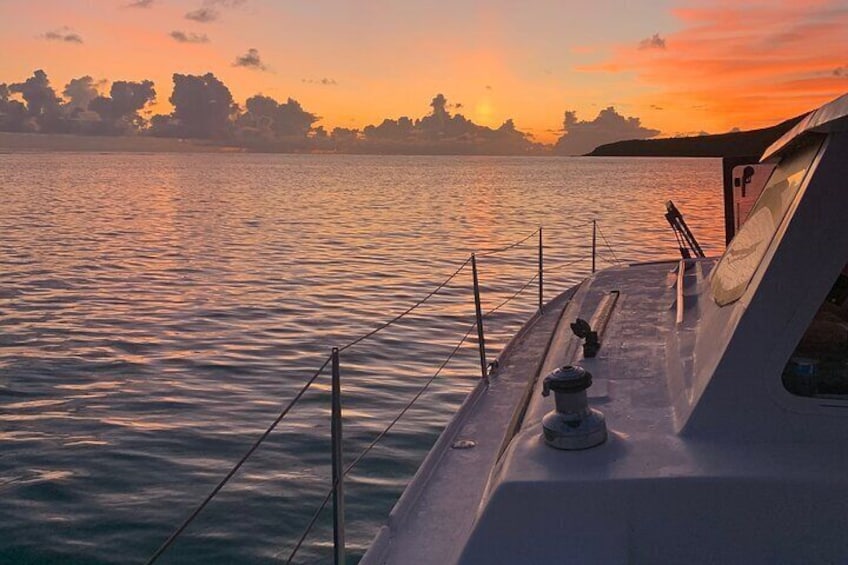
(679, 66)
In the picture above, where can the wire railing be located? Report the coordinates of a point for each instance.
(335, 491)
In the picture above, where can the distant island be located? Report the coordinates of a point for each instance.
(206, 118)
(736, 144)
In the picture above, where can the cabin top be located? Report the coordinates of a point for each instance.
(769, 332)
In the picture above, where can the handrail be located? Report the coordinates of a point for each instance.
(477, 324)
(681, 272)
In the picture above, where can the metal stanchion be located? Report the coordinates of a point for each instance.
(481, 340)
(594, 238)
(541, 271)
(338, 465)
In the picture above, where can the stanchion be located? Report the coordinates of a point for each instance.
(481, 340)
(594, 238)
(338, 465)
(541, 272)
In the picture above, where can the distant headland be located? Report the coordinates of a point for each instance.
(736, 144)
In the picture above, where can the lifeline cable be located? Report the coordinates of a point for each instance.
(566, 264)
(356, 341)
(253, 448)
(377, 439)
(388, 428)
(237, 466)
(507, 248)
(385, 325)
(511, 298)
(600, 231)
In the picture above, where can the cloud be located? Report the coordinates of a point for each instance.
(581, 137)
(40, 98)
(224, 3)
(140, 4)
(119, 112)
(747, 75)
(268, 118)
(655, 107)
(250, 60)
(210, 10)
(653, 42)
(202, 109)
(203, 15)
(65, 34)
(840, 72)
(323, 81)
(79, 92)
(184, 37)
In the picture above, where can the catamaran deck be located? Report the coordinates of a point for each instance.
(433, 520)
(648, 494)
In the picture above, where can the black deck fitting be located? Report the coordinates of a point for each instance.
(583, 330)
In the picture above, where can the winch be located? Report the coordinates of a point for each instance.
(572, 425)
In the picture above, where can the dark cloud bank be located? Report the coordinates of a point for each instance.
(205, 109)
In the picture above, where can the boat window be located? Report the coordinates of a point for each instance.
(744, 254)
(819, 365)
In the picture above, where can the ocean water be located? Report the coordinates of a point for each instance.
(158, 310)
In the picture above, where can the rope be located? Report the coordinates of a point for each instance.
(237, 466)
(377, 439)
(607, 244)
(507, 248)
(385, 325)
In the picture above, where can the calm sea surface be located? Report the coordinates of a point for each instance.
(157, 311)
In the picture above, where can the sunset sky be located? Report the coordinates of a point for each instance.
(680, 66)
